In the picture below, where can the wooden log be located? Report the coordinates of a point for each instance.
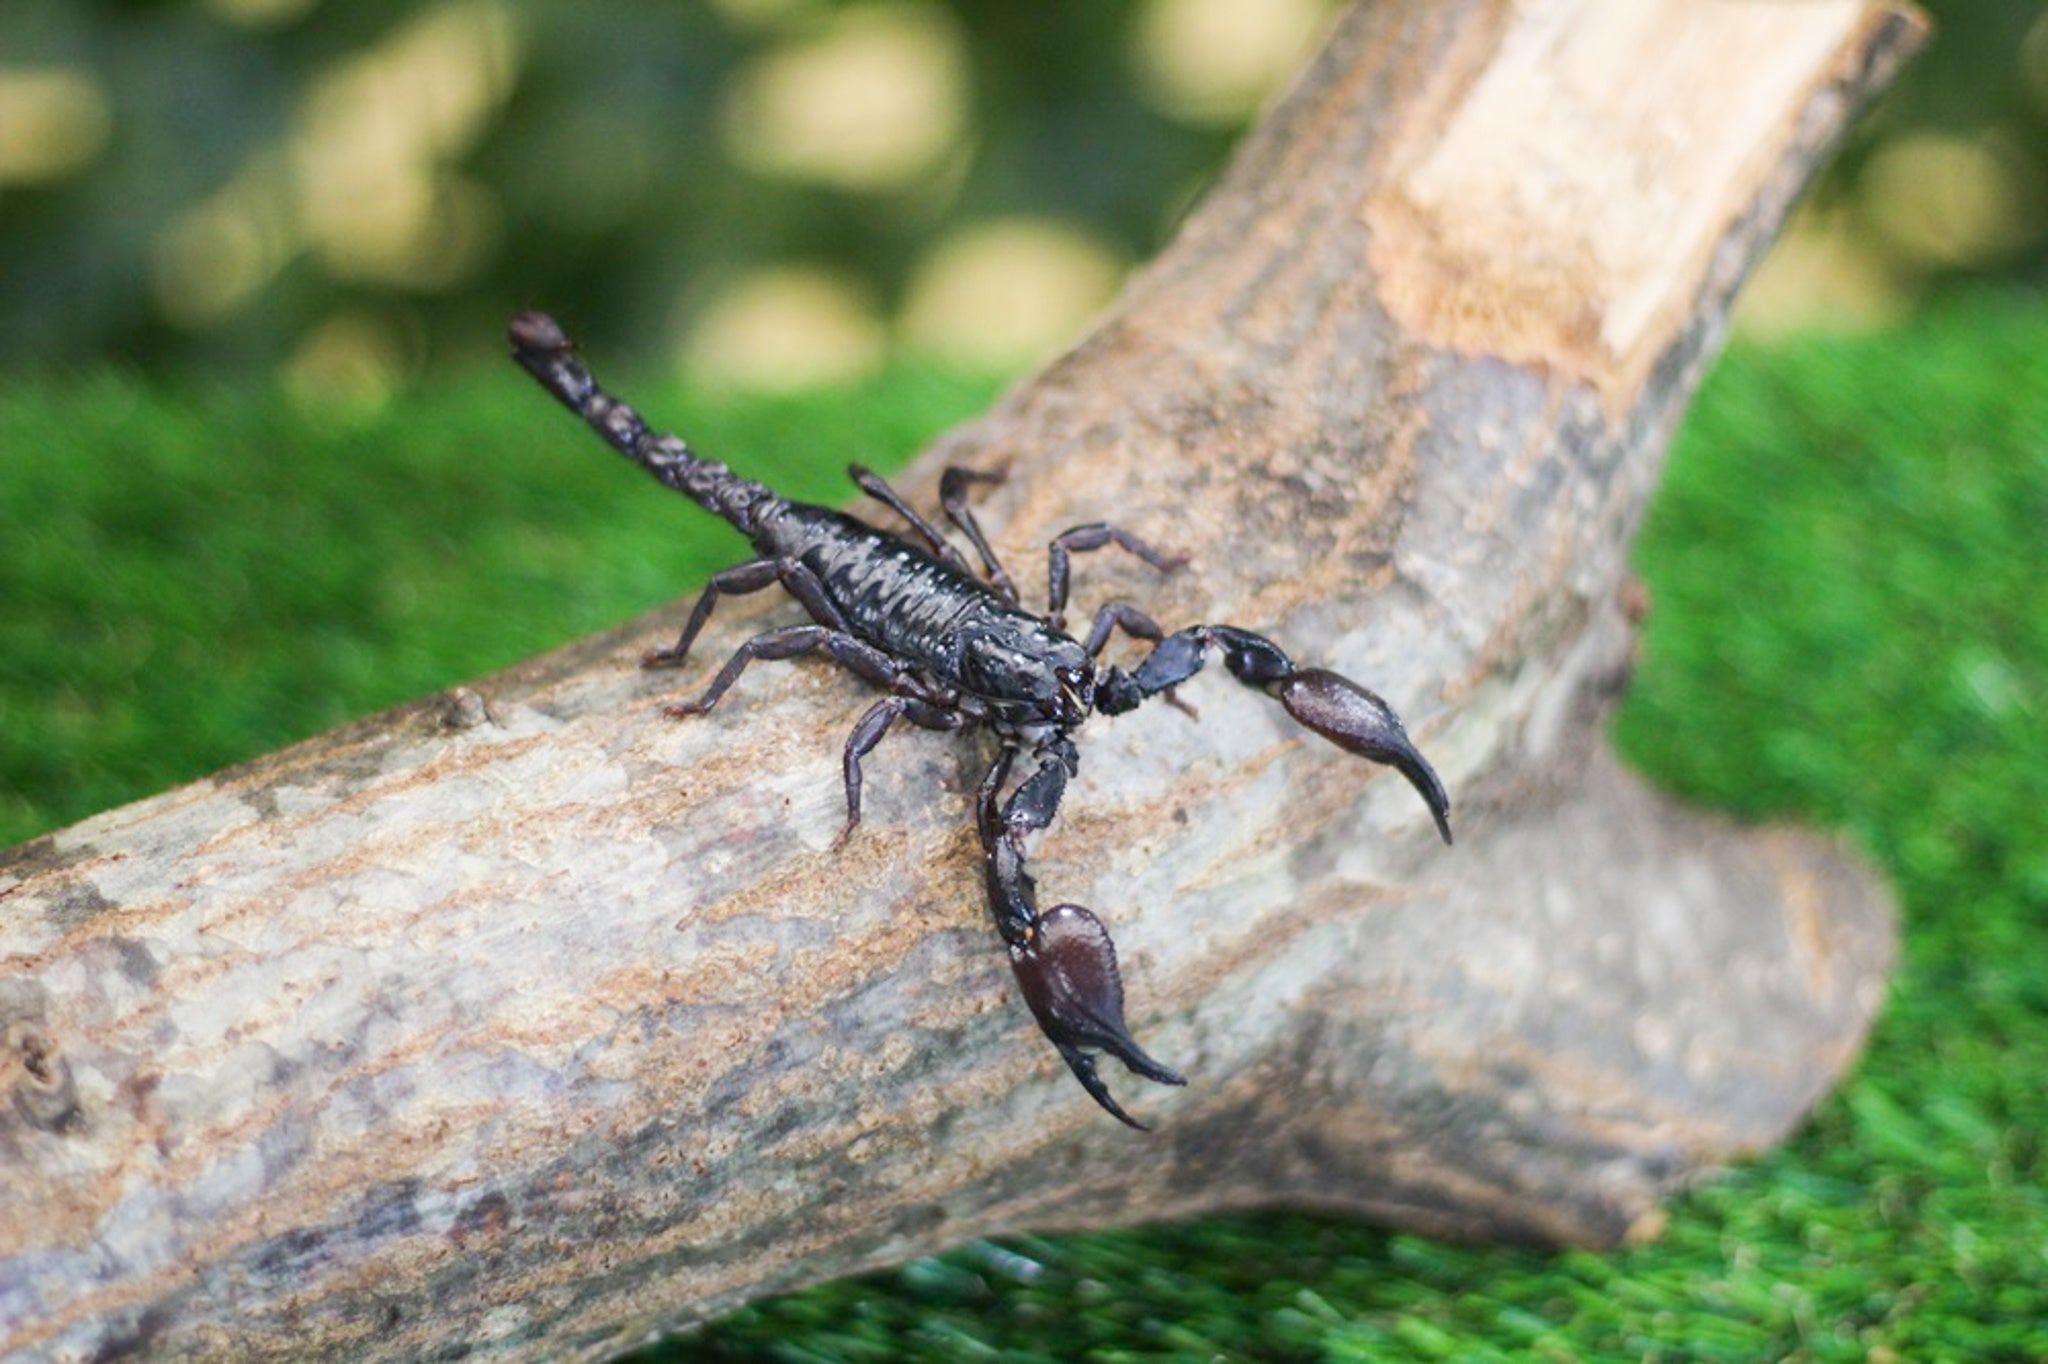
(524, 1020)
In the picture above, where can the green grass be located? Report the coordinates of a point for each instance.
(1851, 628)
(188, 580)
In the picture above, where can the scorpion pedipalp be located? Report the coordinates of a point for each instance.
(1356, 720)
(1066, 966)
(1064, 960)
(1350, 716)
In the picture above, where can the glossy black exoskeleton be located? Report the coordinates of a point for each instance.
(952, 651)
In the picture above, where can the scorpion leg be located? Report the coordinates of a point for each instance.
(1348, 715)
(985, 814)
(1082, 538)
(953, 497)
(1138, 625)
(1035, 801)
(1063, 959)
(868, 731)
(1135, 623)
(1025, 813)
(789, 642)
(793, 574)
(871, 483)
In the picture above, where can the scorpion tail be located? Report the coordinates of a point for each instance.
(1067, 968)
(545, 351)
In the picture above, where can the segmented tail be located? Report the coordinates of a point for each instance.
(545, 350)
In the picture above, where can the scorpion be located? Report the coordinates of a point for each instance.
(952, 650)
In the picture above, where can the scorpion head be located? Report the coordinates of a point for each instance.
(1037, 676)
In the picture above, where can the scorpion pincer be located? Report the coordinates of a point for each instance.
(954, 650)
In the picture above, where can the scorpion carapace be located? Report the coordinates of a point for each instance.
(953, 650)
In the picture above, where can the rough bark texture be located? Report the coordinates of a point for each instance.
(527, 1021)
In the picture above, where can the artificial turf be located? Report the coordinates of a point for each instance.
(1849, 564)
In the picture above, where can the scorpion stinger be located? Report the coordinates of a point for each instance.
(957, 651)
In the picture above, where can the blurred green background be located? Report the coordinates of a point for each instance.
(763, 191)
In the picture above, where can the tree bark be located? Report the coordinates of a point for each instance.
(525, 1020)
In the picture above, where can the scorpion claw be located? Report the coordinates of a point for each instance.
(1083, 1066)
(1067, 969)
(1358, 721)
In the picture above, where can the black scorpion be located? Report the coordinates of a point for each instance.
(954, 651)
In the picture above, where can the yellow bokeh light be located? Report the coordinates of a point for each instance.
(349, 364)
(216, 256)
(54, 121)
(1823, 275)
(1218, 61)
(1944, 200)
(375, 197)
(759, 14)
(871, 100)
(2034, 60)
(260, 13)
(1004, 293)
(787, 328)
(365, 182)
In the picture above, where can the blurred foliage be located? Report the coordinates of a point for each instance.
(426, 167)
(359, 192)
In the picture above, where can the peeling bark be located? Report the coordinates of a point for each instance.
(525, 1020)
